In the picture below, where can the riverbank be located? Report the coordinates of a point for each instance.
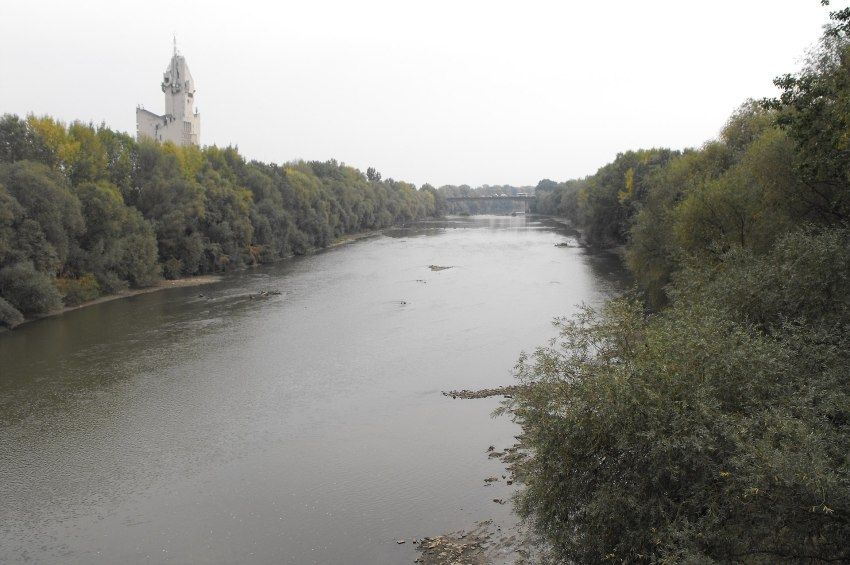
(184, 282)
(350, 238)
(618, 250)
(487, 542)
(161, 285)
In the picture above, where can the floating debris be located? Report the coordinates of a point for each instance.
(460, 547)
(438, 267)
(265, 294)
(485, 543)
(506, 391)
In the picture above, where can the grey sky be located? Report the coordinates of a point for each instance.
(439, 91)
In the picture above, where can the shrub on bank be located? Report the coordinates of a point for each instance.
(28, 290)
(77, 291)
(9, 315)
(687, 436)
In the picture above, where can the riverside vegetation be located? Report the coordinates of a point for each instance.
(706, 417)
(703, 418)
(86, 211)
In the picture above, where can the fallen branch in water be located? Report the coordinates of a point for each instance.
(506, 391)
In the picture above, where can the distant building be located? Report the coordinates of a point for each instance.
(181, 124)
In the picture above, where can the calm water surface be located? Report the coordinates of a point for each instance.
(301, 428)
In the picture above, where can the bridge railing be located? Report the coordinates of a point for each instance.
(488, 198)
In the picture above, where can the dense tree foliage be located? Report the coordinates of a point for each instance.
(706, 417)
(85, 210)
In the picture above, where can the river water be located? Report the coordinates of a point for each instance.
(305, 427)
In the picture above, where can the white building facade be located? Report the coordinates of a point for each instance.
(181, 123)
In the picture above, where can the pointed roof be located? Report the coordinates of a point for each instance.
(177, 76)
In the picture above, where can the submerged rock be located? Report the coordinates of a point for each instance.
(483, 544)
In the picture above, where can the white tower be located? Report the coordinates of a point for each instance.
(181, 123)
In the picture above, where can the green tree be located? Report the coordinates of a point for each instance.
(10, 316)
(28, 290)
(814, 108)
(118, 245)
(54, 215)
(19, 142)
(691, 436)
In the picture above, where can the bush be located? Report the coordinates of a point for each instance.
(9, 315)
(804, 278)
(28, 290)
(172, 269)
(77, 291)
(685, 437)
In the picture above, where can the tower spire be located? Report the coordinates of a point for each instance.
(180, 123)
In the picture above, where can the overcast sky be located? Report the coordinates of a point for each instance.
(446, 92)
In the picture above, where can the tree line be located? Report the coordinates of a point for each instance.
(86, 211)
(705, 416)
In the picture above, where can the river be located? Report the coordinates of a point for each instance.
(197, 425)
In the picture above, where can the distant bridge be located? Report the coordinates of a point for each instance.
(484, 200)
(524, 198)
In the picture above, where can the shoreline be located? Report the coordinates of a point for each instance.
(164, 284)
(349, 238)
(185, 282)
(618, 250)
(488, 541)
